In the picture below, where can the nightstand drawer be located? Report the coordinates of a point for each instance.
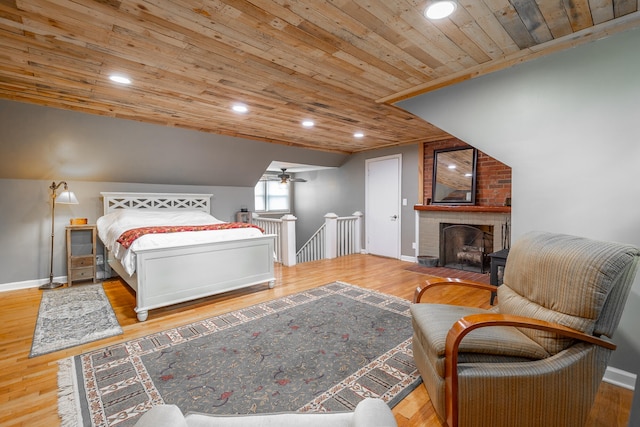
(82, 261)
(82, 273)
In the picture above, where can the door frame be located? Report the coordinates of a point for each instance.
(398, 202)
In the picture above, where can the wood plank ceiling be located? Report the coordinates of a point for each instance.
(340, 63)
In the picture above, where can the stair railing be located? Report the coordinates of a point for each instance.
(338, 236)
(314, 248)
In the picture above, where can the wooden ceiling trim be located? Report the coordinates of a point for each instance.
(575, 39)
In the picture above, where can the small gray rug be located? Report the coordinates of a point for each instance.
(72, 316)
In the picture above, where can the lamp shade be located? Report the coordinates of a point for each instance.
(67, 198)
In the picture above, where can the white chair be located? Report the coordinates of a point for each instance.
(368, 413)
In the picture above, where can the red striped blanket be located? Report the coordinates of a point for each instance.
(127, 238)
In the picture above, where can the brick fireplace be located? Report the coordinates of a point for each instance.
(433, 219)
(489, 214)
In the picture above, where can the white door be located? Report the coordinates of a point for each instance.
(382, 216)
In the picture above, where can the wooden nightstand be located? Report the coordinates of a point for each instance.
(81, 253)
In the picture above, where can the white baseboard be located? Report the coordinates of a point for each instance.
(620, 378)
(408, 258)
(14, 286)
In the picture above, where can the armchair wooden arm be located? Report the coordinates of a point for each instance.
(468, 323)
(440, 281)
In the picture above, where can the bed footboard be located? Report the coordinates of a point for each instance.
(173, 275)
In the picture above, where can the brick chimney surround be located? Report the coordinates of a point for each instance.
(493, 190)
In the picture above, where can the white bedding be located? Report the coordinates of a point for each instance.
(112, 225)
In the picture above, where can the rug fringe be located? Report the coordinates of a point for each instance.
(68, 407)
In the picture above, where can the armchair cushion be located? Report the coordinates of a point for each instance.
(431, 323)
(562, 279)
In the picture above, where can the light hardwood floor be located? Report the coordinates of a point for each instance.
(28, 387)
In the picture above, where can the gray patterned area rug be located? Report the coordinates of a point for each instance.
(320, 350)
(72, 316)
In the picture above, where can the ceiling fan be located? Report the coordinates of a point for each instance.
(285, 178)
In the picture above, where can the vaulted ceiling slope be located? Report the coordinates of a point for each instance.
(340, 63)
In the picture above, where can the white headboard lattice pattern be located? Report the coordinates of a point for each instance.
(156, 201)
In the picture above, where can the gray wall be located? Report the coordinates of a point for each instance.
(342, 191)
(46, 143)
(567, 124)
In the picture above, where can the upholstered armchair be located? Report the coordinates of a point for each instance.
(537, 357)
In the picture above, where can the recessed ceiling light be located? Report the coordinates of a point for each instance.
(358, 135)
(451, 166)
(308, 123)
(240, 108)
(440, 9)
(120, 79)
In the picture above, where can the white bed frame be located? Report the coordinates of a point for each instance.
(172, 275)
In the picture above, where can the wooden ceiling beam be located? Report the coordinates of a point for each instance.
(575, 39)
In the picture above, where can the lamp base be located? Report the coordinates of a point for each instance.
(51, 285)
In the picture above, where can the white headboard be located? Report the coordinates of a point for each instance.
(156, 201)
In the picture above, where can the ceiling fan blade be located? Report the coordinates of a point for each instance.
(284, 177)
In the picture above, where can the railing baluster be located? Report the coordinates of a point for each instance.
(272, 226)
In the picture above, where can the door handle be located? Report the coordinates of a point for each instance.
(394, 217)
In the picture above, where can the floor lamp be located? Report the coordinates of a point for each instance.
(66, 198)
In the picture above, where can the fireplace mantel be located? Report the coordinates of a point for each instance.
(463, 208)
